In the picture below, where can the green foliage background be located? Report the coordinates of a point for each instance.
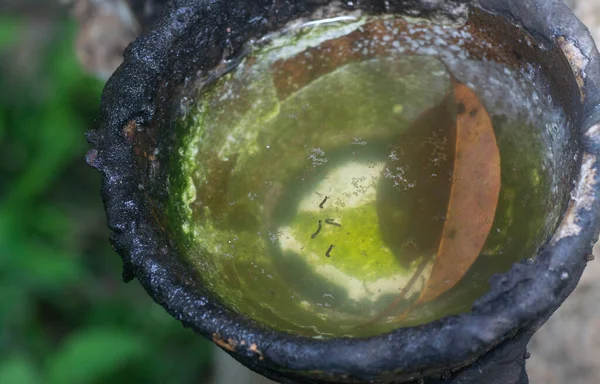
(65, 315)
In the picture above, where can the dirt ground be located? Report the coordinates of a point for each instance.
(565, 349)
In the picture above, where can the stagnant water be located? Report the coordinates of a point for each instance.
(320, 174)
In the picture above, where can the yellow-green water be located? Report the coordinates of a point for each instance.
(310, 200)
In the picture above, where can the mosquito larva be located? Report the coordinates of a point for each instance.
(328, 253)
(318, 230)
(332, 222)
(323, 202)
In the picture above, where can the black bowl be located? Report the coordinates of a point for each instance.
(133, 146)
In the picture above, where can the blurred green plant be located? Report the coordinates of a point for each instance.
(65, 315)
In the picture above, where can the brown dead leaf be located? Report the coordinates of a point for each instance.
(472, 205)
(473, 198)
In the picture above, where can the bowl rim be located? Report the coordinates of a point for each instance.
(538, 287)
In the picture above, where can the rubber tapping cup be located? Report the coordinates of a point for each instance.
(358, 191)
